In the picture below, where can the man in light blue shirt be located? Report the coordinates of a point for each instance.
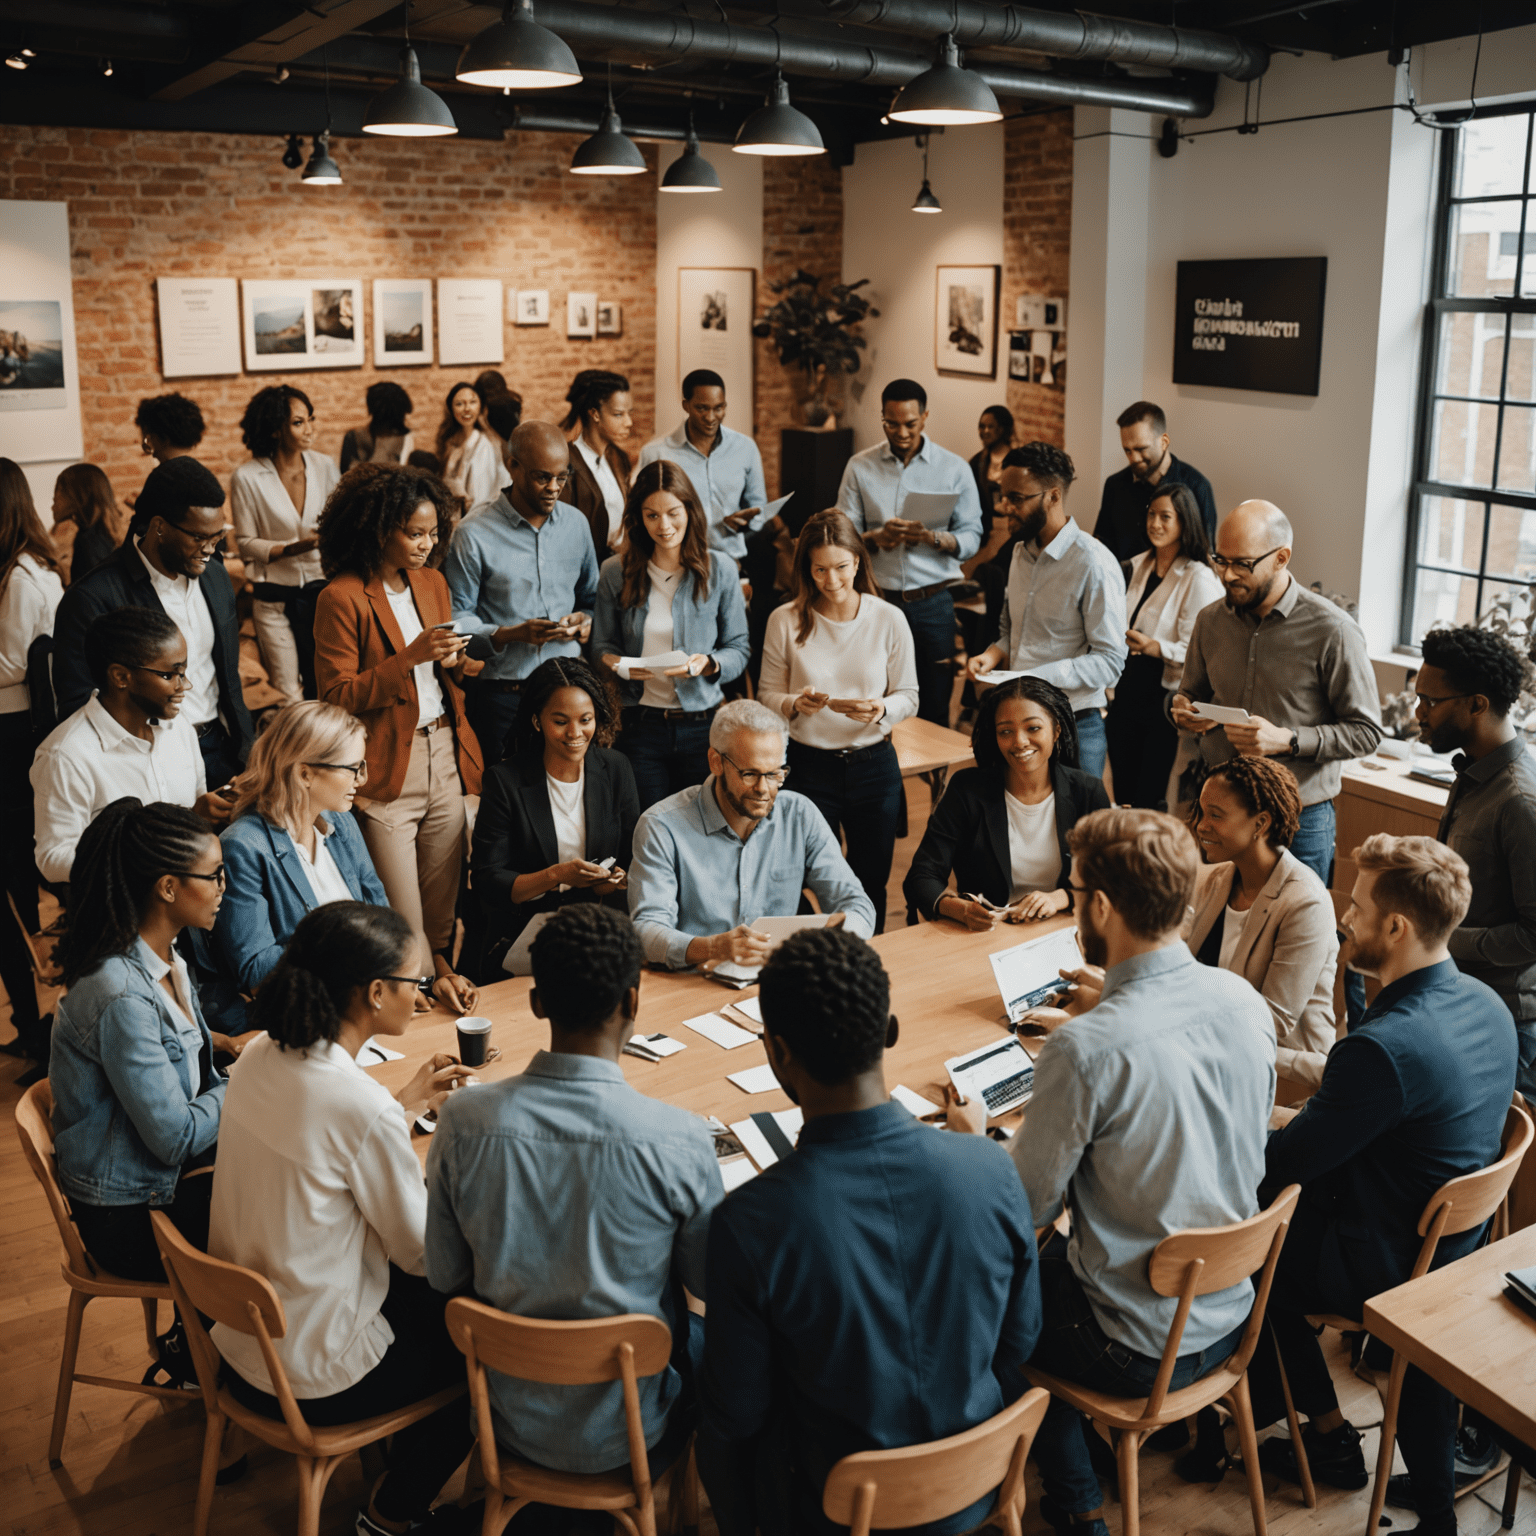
(1151, 1108)
(915, 565)
(522, 573)
(1063, 617)
(711, 860)
(725, 466)
(564, 1193)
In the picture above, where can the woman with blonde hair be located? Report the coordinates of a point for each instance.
(83, 495)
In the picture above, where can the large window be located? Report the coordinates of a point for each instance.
(1473, 524)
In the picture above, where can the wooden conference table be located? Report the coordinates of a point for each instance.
(942, 991)
(923, 747)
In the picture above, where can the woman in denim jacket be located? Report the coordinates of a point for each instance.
(136, 1097)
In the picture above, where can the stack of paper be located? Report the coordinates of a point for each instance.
(655, 665)
(755, 1079)
(722, 1033)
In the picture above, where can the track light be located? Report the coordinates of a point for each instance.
(29, 53)
(516, 53)
(18, 60)
(106, 68)
(777, 128)
(946, 95)
(280, 74)
(925, 201)
(293, 156)
(608, 152)
(691, 172)
(322, 171)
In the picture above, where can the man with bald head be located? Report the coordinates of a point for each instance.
(1295, 661)
(522, 572)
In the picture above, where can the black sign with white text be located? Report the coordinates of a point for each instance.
(1251, 324)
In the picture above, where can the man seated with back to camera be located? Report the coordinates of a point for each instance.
(1151, 1107)
(874, 1233)
(712, 859)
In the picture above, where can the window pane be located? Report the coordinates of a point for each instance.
(1471, 357)
(1512, 543)
(1522, 351)
(1443, 599)
(1461, 450)
(1484, 240)
(1517, 450)
(1450, 531)
(1528, 271)
(1491, 156)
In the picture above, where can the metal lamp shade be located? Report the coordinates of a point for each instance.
(322, 171)
(518, 54)
(608, 152)
(926, 202)
(408, 110)
(691, 172)
(779, 129)
(946, 95)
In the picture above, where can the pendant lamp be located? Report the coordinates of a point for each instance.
(408, 110)
(608, 152)
(777, 128)
(322, 171)
(946, 95)
(691, 172)
(518, 54)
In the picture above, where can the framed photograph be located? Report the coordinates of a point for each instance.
(715, 310)
(469, 324)
(302, 323)
(965, 321)
(39, 379)
(402, 321)
(1038, 357)
(530, 306)
(610, 318)
(581, 314)
(1037, 312)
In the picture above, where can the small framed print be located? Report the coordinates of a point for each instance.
(610, 318)
(531, 306)
(965, 321)
(581, 314)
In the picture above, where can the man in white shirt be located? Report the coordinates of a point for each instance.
(132, 738)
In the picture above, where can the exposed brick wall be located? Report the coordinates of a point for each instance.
(146, 205)
(1037, 243)
(802, 227)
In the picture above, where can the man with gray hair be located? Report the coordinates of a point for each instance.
(1294, 661)
(712, 859)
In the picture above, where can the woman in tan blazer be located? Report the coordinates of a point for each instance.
(1259, 911)
(599, 416)
(380, 655)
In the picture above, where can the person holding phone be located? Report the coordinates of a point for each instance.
(838, 664)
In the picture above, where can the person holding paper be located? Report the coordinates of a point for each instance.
(724, 465)
(915, 554)
(1003, 826)
(838, 665)
(1063, 615)
(711, 859)
(875, 1287)
(667, 594)
(1294, 660)
(563, 1192)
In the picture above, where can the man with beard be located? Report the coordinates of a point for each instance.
(1063, 617)
(1414, 1095)
(1467, 686)
(1151, 467)
(713, 858)
(1294, 661)
(1151, 1106)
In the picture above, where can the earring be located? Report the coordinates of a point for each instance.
(376, 1007)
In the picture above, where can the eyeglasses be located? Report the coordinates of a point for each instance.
(421, 982)
(359, 771)
(1016, 501)
(752, 777)
(220, 876)
(1241, 563)
(208, 545)
(540, 478)
(1425, 701)
(173, 676)
(902, 426)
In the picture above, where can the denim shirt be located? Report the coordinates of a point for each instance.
(126, 1111)
(716, 627)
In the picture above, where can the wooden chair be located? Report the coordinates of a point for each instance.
(241, 1299)
(582, 1353)
(84, 1277)
(1458, 1205)
(1186, 1265)
(918, 1483)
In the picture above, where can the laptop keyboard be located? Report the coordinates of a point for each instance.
(1008, 1092)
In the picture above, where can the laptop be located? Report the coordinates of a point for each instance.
(1028, 975)
(1001, 1075)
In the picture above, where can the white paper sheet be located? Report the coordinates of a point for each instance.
(736, 1173)
(779, 928)
(661, 1045)
(1223, 713)
(650, 663)
(755, 1079)
(373, 1052)
(721, 1031)
(1000, 675)
(756, 1144)
(752, 1007)
(914, 1103)
(518, 960)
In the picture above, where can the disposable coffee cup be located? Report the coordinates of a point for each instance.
(474, 1040)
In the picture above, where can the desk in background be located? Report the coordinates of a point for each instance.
(923, 747)
(1378, 796)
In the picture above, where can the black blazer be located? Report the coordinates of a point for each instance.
(968, 834)
(584, 493)
(515, 832)
(121, 581)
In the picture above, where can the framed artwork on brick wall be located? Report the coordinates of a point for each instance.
(581, 314)
(530, 306)
(469, 323)
(610, 318)
(402, 321)
(311, 322)
(715, 310)
(39, 379)
(199, 326)
(965, 321)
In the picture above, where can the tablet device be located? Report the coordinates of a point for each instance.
(1001, 1075)
(1029, 974)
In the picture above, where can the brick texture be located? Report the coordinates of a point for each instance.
(1037, 240)
(146, 205)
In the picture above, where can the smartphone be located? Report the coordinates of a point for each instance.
(452, 624)
(607, 863)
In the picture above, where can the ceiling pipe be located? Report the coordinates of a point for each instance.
(539, 120)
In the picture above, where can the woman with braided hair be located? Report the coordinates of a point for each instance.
(599, 416)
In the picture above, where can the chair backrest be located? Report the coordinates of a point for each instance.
(34, 1127)
(915, 1484)
(567, 1354)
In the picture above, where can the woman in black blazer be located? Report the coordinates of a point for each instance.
(1002, 826)
(561, 803)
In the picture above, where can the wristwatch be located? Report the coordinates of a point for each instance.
(1295, 745)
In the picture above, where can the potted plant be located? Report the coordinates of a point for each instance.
(815, 331)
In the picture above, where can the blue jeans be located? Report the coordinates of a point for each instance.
(1092, 742)
(932, 623)
(1073, 1346)
(1314, 840)
(666, 755)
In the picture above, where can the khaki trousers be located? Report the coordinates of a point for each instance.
(278, 652)
(417, 842)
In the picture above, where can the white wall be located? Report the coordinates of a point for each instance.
(898, 251)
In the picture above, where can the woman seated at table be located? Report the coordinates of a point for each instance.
(292, 845)
(561, 803)
(1001, 827)
(320, 1192)
(1259, 911)
(136, 1097)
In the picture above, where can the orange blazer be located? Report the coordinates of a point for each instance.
(358, 666)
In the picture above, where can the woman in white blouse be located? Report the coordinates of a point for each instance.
(323, 1196)
(838, 665)
(1169, 584)
(599, 415)
(471, 462)
(276, 498)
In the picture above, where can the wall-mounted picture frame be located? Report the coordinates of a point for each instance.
(715, 310)
(469, 324)
(965, 321)
(402, 322)
(610, 318)
(530, 306)
(581, 315)
(312, 322)
(199, 326)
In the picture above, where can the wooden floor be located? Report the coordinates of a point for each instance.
(130, 1466)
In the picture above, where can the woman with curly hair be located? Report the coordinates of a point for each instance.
(386, 651)
(276, 498)
(472, 464)
(170, 426)
(562, 803)
(599, 415)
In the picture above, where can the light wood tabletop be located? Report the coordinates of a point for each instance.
(922, 747)
(1460, 1329)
